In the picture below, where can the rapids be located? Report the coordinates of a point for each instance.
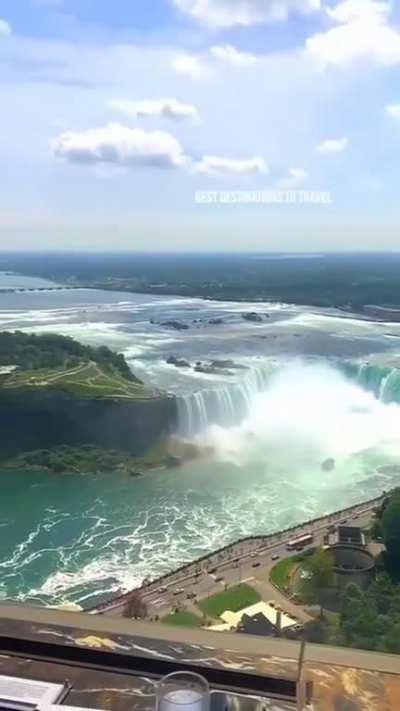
(313, 384)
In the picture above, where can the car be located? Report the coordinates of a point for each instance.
(178, 591)
(275, 556)
(163, 589)
(253, 555)
(255, 564)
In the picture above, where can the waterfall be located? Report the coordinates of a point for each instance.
(390, 386)
(225, 405)
(229, 404)
(383, 381)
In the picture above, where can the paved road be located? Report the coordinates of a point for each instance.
(249, 560)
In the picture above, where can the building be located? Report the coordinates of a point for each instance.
(347, 536)
(257, 624)
(352, 564)
(275, 620)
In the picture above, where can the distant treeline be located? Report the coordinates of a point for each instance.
(344, 280)
(48, 351)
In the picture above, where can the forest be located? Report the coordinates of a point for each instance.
(52, 351)
(345, 280)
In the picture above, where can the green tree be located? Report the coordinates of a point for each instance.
(391, 528)
(352, 603)
(319, 577)
(352, 592)
(316, 631)
(135, 607)
(370, 618)
(376, 529)
(392, 639)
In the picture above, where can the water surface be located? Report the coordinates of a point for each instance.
(79, 537)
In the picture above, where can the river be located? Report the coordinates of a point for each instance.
(314, 384)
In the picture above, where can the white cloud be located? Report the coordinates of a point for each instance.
(167, 108)
(189, 65)
(200, 67)
(352, 10)
(229, 54)
(363, 33)
(228, 13)
(120, 146)
(5, 28)
(393, 110)
(332, 145)
(296, 177)
(218, 165)
(48, 3)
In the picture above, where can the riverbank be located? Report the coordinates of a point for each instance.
(232, 563)
(167, 453)
(303, 279)
(86, 459)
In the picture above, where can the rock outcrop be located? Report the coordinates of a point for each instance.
(50, 418)
(252, 316)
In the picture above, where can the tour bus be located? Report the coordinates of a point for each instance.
(300, 542)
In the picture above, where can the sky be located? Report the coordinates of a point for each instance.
(200, 124)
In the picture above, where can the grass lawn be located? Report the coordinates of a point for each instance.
(85, 380)
(280, 573)
(234, 599)
(182, 619)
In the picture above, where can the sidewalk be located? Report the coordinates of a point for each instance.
(270, 592)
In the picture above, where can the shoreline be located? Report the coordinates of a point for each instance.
(233, 553)
(347, 310)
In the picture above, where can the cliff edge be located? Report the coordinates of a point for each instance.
(55, 391)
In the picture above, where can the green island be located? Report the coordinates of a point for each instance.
(59, 362)
(67, 407)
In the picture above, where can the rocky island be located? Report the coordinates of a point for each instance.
(63, 404)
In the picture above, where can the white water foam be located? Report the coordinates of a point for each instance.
(309, 412)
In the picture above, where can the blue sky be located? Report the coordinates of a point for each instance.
(113, 115)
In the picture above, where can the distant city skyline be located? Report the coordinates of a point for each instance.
(114, 116)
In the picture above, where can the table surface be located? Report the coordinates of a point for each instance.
(371, 682)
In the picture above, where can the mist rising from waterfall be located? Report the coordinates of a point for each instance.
(305, 414)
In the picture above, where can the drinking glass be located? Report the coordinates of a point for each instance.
(183, 691)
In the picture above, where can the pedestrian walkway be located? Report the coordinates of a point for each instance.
(270, 592)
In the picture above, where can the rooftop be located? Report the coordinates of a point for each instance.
(269, 611)
(347, 535)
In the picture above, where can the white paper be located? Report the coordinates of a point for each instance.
(63, 707)
(28, 690)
